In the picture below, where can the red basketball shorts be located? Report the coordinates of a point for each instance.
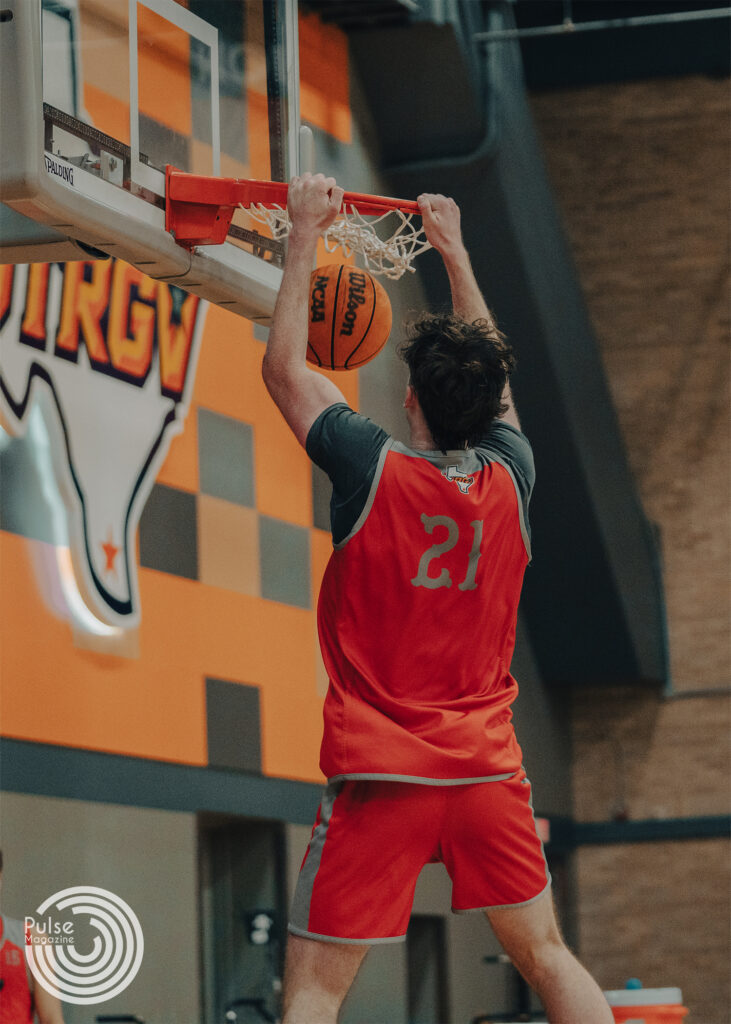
(371, 839)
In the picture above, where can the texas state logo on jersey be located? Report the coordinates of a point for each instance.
(97, 363)
(462, 481)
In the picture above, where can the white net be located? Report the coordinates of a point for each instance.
(353, 233)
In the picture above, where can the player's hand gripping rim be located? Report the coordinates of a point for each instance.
(441, 218)
(313, 203)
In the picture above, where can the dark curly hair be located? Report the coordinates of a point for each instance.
(458, 371)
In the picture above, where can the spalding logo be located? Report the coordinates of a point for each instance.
(111, 354)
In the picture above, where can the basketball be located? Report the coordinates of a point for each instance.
(350, 317)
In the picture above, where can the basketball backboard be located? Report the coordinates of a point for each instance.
(98, 96)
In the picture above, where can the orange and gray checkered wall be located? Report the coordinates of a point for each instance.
(224, 669)
(231, 551)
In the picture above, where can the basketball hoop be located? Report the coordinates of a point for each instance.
(391, 256)
(198, 211)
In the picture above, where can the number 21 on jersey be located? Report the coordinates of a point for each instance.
(444, 579)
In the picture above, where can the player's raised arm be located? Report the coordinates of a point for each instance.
(442, 224)
(300, 393)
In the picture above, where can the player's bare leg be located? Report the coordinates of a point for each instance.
(317, 977)
(531, 938)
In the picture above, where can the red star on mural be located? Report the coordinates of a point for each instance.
(111, 553)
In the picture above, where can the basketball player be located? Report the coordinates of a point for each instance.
(21, 1000)
(417, 617)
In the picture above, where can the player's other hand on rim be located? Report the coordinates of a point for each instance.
(313, 203)
(442, 222)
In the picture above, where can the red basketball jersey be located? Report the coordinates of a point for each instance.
(417, 618)
(16, 1003)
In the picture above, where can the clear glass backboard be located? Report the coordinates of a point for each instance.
(127, 87)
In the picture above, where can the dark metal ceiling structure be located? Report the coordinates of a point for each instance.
(660, 48)
(353, 15)
(680, 37)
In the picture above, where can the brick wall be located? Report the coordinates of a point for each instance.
(657, 911)
(641, 172)
(638, 755)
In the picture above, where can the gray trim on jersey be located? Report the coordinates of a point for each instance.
(417, 779)
(348, 942)
(360, 521)
(521, 510)
(468, 461)
(306, 881)
(14, 931)
(507, 906)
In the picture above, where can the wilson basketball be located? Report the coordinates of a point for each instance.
(350, 317)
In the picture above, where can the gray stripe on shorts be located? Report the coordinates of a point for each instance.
(535, 826)
(508, 906)
(348, 942)
(549, 880)
(300, 913)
